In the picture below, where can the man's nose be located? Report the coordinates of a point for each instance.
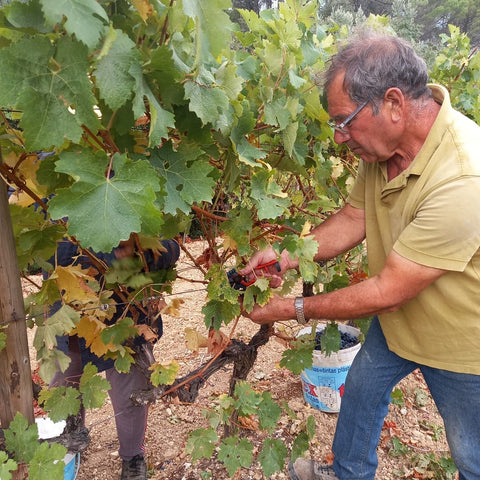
(341, 137)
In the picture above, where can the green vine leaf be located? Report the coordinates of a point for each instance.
(300, 356)
(162, 70)
(36, 237)
(269, 412)
(271, 201)
(7, 465)
(50, 362)
(93, 387)
(119, 332)
(272, 457)
(60, 323)
(219, 312)
(123, 359)
(305, 249)
(47, 462)
(127, 271)
(246, 399)
(219, 286)
(160, 119)
(214, 26)
(201, 443)
(103, 210)
(207, 101)
(21, 439)
(300, 446)
(239, 228)
(25, 15)
(114, 81)
(50, 85)
(182, 170)
(235, 453)
(60, 402)
(84, 18)
(258, 293)
(248, 153)
(331, 339)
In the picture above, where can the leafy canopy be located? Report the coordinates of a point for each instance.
(133, 117)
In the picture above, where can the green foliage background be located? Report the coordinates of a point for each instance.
(136, 116)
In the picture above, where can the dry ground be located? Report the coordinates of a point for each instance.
(170, 422)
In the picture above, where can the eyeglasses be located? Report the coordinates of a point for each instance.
(343, 127)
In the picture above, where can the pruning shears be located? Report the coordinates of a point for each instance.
(240, 282)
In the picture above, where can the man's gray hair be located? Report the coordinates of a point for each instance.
(375, 62)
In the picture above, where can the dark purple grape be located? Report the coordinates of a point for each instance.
(347, 340)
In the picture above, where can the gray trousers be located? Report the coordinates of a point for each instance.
(130, 420)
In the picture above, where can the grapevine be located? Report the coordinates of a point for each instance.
(148, 118)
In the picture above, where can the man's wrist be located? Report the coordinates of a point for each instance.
(299, 311)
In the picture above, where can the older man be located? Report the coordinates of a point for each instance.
(416, 201)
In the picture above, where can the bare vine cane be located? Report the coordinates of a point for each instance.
(186, 388)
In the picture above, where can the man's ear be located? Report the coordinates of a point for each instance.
(394, 101)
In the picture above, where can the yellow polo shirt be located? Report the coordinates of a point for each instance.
(430, 214)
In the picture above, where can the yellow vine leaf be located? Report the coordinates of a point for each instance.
(195, 340)
(72, 281)
(144, 8)
(90, 329)
(229, 243)
(306, 229)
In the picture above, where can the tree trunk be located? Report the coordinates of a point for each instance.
(15, 373)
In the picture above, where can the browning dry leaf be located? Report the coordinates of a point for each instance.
(250, 422)
(207, 258)
(217, 341)
(173, 308)
(147, 332)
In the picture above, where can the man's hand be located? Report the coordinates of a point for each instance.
(275, 310)
(266, 264)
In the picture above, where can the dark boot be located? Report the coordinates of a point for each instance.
(134, 469)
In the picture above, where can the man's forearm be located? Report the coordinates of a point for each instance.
(336, 235)
(340, 232)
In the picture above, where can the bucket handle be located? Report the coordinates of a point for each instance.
(77, 464)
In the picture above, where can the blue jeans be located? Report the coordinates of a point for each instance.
(374, 373)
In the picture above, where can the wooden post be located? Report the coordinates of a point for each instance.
(16, 394)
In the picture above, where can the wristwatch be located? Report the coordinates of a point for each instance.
(299, 311)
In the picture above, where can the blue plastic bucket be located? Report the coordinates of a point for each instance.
(72, 464)
(323, 384)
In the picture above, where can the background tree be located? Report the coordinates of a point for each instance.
(254, 5)
(436, 15)
(414, 19)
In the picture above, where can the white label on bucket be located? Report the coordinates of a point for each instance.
(323, 391)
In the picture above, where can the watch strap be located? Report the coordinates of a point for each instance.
(299, 310)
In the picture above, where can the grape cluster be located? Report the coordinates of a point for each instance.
(236, 280)
(346, 340)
